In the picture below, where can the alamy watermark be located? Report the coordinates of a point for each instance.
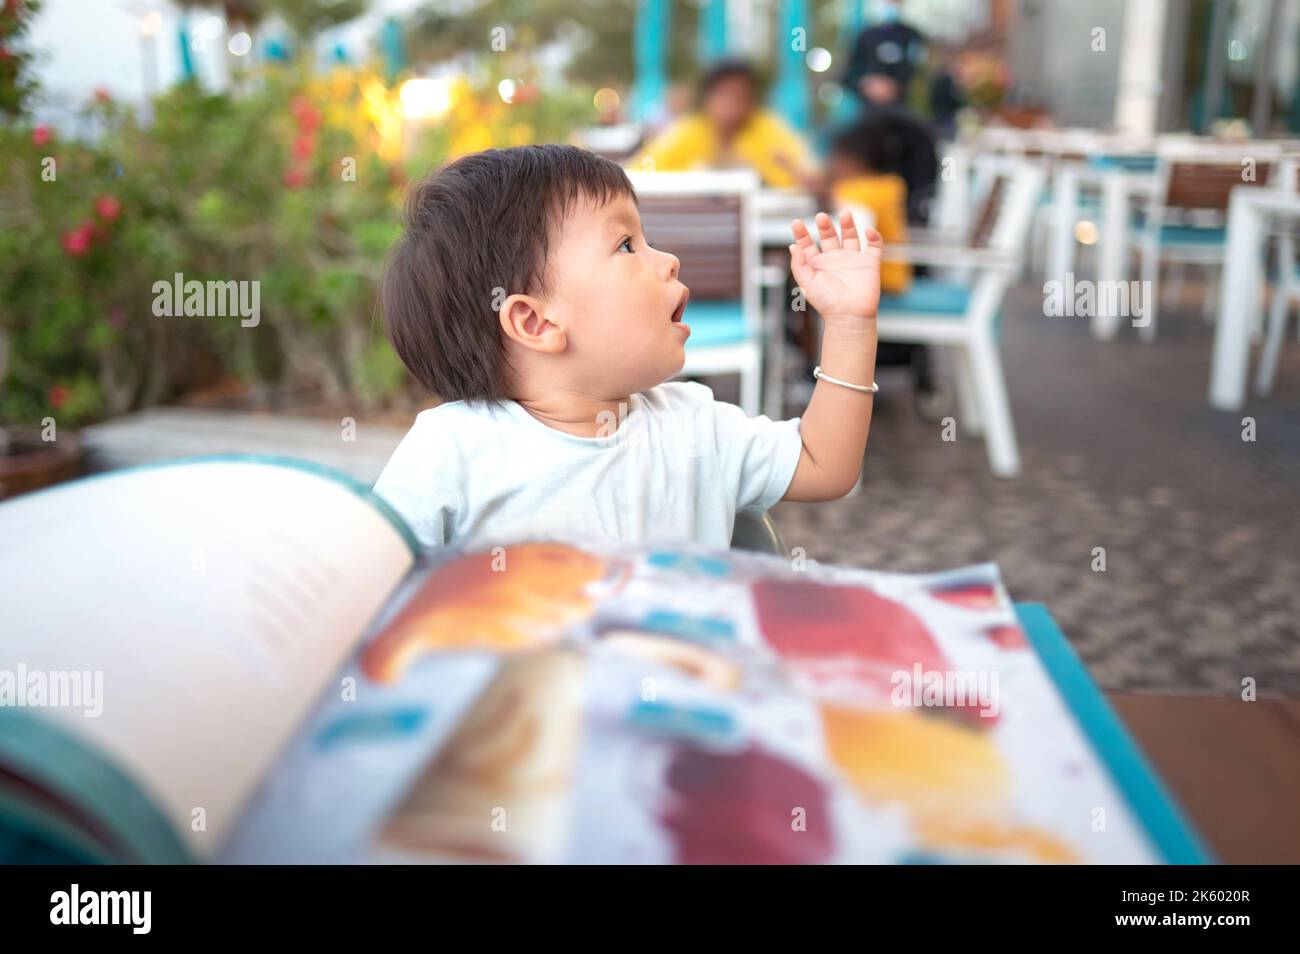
(53, 689)
(1086, 299)
(128, 908)
(933, 688)
(195, 299)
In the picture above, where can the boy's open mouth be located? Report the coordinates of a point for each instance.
(681, 305)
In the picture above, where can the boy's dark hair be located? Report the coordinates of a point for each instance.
(476, 230)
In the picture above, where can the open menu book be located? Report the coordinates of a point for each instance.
(248, 660)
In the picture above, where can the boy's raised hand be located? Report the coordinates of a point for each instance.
(842, 279)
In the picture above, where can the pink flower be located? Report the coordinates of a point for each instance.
(303, 147)
(107, 208)
(295, 178)
(77, 242)
(41, 135)
(305, 113)
(58, 396)
(103, 95)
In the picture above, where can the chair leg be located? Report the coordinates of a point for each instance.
(968, 405)
(775, 317)
(751, 383)
(1000, 432)
(1173, 289)
(774, 380)
(1210, 300)
(1277, 316)
(1151, 276)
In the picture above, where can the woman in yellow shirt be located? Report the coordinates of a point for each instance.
(729, 130)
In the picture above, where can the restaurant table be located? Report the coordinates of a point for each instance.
(1232, 766)
(1251, 210)
(1119, 186)
(1225, 768)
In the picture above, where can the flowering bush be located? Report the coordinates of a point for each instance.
(294, 182)
(74, 266)
(16, 83)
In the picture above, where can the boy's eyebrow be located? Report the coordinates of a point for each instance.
(624, 219)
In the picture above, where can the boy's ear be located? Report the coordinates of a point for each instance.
(523, 319)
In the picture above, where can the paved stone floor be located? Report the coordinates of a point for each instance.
(1120, 450)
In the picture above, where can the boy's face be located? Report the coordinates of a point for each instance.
(618, 300)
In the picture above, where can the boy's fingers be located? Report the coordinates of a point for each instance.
(849, 228)
(826, 232)
(875, 243)
(801, 236)
(798, 264)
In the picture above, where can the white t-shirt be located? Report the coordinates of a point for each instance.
(676, 467)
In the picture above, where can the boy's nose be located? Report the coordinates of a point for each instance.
(674, 265)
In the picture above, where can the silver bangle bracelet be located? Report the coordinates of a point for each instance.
(871, 388)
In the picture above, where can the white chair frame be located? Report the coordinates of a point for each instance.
(971, 339)
(1210, 256)
(1287, 289)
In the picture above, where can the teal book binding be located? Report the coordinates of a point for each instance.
(1165, 825)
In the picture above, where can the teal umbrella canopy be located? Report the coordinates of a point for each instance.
(790, 92)
(651, 37)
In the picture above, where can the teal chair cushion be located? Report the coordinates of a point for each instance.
(1129, 163)
(1190, 235)
(1083, 202)
(929, 296)
(715, 323)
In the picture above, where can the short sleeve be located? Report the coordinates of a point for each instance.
(758, 455)
(415, 483)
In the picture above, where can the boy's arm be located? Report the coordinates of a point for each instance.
(842, 281)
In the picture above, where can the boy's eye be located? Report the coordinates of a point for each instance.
(626, 244)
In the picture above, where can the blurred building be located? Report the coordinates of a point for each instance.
(1157, 65)
(1144, 65)
(133, 49)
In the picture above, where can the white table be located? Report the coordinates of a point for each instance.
(1118, 187)
(1251, 211)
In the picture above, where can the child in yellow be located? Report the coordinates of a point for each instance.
(729, 130)
(855, 169)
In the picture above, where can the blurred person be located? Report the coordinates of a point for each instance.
(884, 60)
(888, 157)
(946, 96)
(729, 129)
(858, 171)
